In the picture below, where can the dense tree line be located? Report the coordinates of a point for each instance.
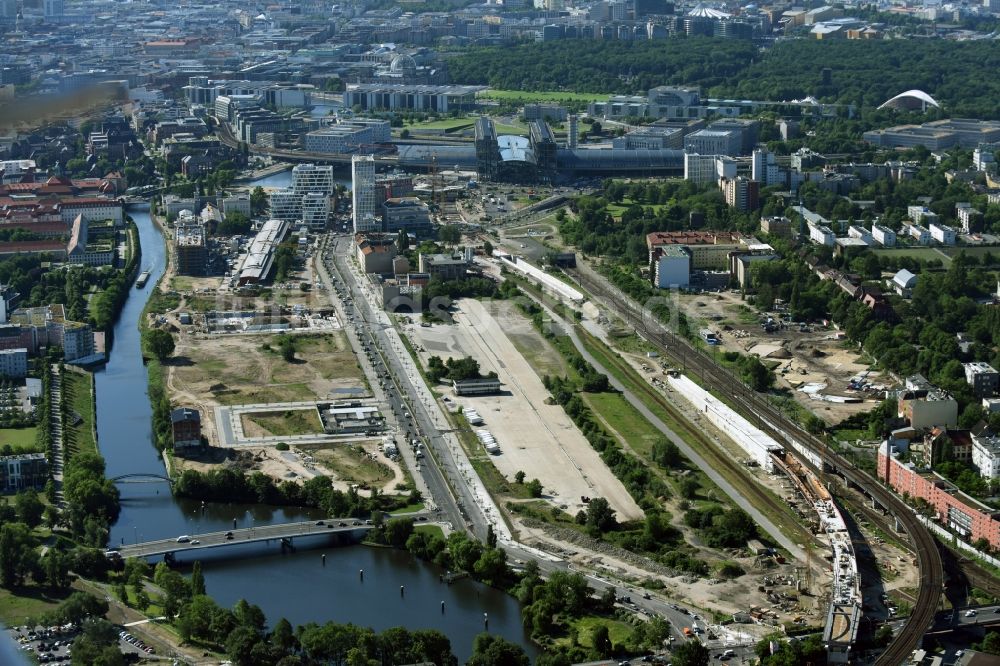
(228, 485)
(605, 67)
(868, 72)
(454, 369)
(92, 501)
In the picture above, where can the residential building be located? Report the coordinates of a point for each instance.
(925, 406)
(376, 252)
(14, 363)
(365, 197)
(191, 250)
(709, 250)
(673, 267)
(953, 509)
(859, 232)
(741, 263)
(983, 157)
(821, 235)
(921, 215)
(984, 380)
(24, 471)
(185, 425)
(778, 226)
(970, 219)
(47, 326)
(884, 236)
(764, 168)
(943, 234)
(920, 234)
(741, 193)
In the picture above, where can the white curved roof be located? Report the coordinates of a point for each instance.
(918, 95)
(704, 11)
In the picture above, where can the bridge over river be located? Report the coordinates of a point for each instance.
(284, 532)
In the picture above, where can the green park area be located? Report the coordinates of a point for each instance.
(539, 96)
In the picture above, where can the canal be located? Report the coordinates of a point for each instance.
(294, 585)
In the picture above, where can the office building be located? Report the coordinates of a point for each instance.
(779, 226)
(408, 214)
(315, 210)
(444, 266)
(709, 250)
(393, 97)
(364, 194)
(190, 248)
(349, 136)
(14, 363)
(764, 168)
(937, 135)
(713, 142)
(21, 472)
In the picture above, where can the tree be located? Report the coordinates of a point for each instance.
(755, 374)
(197, 579)
(601, 640)
(488, 248)
(258, 200)
(17, 554)
(600, 516)
(449, 234)
(158, 342)
(692, 653)
(534, 488)
(519, 477)
(55, 564)
(29, 508)
(488, 650)
(402, 241)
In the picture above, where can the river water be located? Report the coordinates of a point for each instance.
(296, 585)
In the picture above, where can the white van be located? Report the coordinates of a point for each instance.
(184, 538)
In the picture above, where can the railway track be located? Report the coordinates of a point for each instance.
(770, 418)
(709, 450)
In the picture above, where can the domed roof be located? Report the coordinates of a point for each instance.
(403, 64)
(911, 99)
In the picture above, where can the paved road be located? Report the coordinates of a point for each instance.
(414, 408)
(250, 535)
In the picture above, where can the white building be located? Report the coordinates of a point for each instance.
(903, 282)
(968, 217)
(14, 363)
(855, 231)
(365, 199)
(821, 234)
(764, 168)
(920, 234)
(673, 268)
(943, 234)
(884, 236)
(713, 142)
(236, 203)
(921, 214)
(348, 136)
(986, 456)
(699, 168)
(285, 205)
(312, 178)
(983, 158)
(315, 210)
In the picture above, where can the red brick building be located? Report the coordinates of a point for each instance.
(185, 424)
(953, 509)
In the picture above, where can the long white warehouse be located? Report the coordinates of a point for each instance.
(749, 438)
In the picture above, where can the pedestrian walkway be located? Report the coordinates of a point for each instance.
(56, 432)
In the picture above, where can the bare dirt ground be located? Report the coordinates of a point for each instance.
(535, 437)
(207, 371)
(359, 463)
(817, 357)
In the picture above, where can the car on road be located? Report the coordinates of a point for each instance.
(320, 522)
(342, 524)
(195, 542)
(184, 538)
(229, 535)
(970, 613)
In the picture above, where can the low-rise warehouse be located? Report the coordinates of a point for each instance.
(260, 257)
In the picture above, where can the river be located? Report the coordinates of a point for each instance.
(295, 586)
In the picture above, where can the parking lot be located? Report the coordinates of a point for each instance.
(53, 645)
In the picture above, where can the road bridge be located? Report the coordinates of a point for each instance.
(284, 532)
